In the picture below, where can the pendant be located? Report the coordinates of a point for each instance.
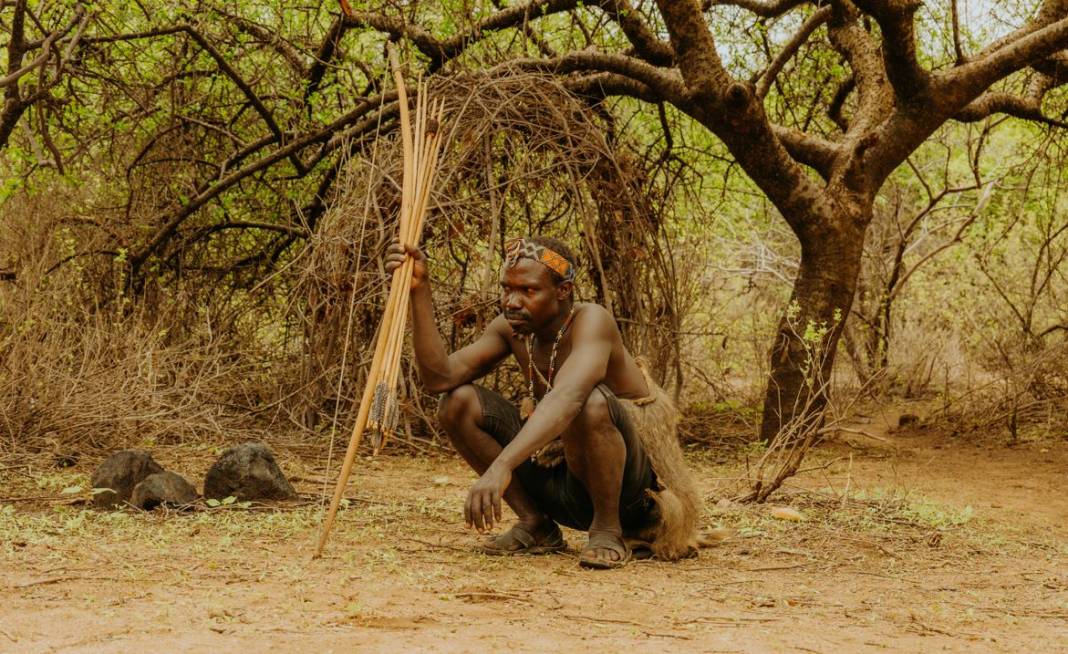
(526, 407)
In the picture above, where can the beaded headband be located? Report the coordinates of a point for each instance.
(521, 248)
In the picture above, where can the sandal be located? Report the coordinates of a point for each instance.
(519, 540)
(604, 540)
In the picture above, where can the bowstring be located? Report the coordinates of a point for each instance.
(351, 313)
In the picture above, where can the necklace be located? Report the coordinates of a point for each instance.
(526, 408)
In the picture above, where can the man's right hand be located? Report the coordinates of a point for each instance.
(396, 253)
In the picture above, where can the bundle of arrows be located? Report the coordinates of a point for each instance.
(420, 143)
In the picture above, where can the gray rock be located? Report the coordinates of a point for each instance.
(906, 419)
(119, 473)
(247, 472)
(163, 489)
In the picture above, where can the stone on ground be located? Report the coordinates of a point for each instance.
(119, 473)
(247, 472)
(166, 489)
(906, 419)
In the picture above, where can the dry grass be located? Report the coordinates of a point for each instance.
(86, 368)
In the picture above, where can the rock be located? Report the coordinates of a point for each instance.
(119, 473)
(163, 489)
(906, 419)
(247, 472)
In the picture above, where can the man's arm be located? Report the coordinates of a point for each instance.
(591, 345)
(439, 370)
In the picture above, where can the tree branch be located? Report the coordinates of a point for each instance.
(333, 135)
(812, 151)
(1050, 11)
(896, 19)
(598, 86)
(440, 51)
(869, 78)
(646, 44)
(695, 49)
(270, 38)
(46, 50)
(1027, 107)
(841, 94)
(228, 70)
(14, 105)
(764, 8)
(959, 86)
(1055, 67)
(955, 18)
(819, 17)
(667, 84)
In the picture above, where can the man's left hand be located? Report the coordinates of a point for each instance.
(482, 509)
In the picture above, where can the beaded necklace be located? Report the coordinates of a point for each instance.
(526, 408)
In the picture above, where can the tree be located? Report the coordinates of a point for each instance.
(817, 101)
(889, 97)
(47, 39)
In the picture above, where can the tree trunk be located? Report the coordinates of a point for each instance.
(802, 356)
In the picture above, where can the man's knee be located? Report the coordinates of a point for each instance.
(594, 419)
(458, 405)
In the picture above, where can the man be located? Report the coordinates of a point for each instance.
(621, 475)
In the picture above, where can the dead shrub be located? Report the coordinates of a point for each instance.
(86, 367)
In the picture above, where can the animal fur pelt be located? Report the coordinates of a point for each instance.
(655, 419)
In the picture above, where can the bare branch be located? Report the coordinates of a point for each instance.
(46, 50)
(819, 17)
(238, 81)
(322, 56)
(270, 38)
(441, 50)
(332, 136)
(1050, 11)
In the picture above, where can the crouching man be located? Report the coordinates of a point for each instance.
(592, 445)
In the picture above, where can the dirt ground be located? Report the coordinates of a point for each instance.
(910, 542)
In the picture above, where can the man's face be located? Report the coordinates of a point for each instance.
(530, 296)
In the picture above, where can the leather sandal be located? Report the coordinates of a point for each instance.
(604, 540)
(519, 540)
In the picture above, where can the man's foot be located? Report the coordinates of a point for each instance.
(521, 540)
(606, 550)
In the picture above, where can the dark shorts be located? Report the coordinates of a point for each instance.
(560, 493)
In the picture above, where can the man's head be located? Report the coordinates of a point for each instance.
(537, 284)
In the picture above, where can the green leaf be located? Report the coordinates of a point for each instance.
(71, 490)
(229, 500)
(213, 502)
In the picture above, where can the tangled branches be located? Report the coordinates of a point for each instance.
(526, 156)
